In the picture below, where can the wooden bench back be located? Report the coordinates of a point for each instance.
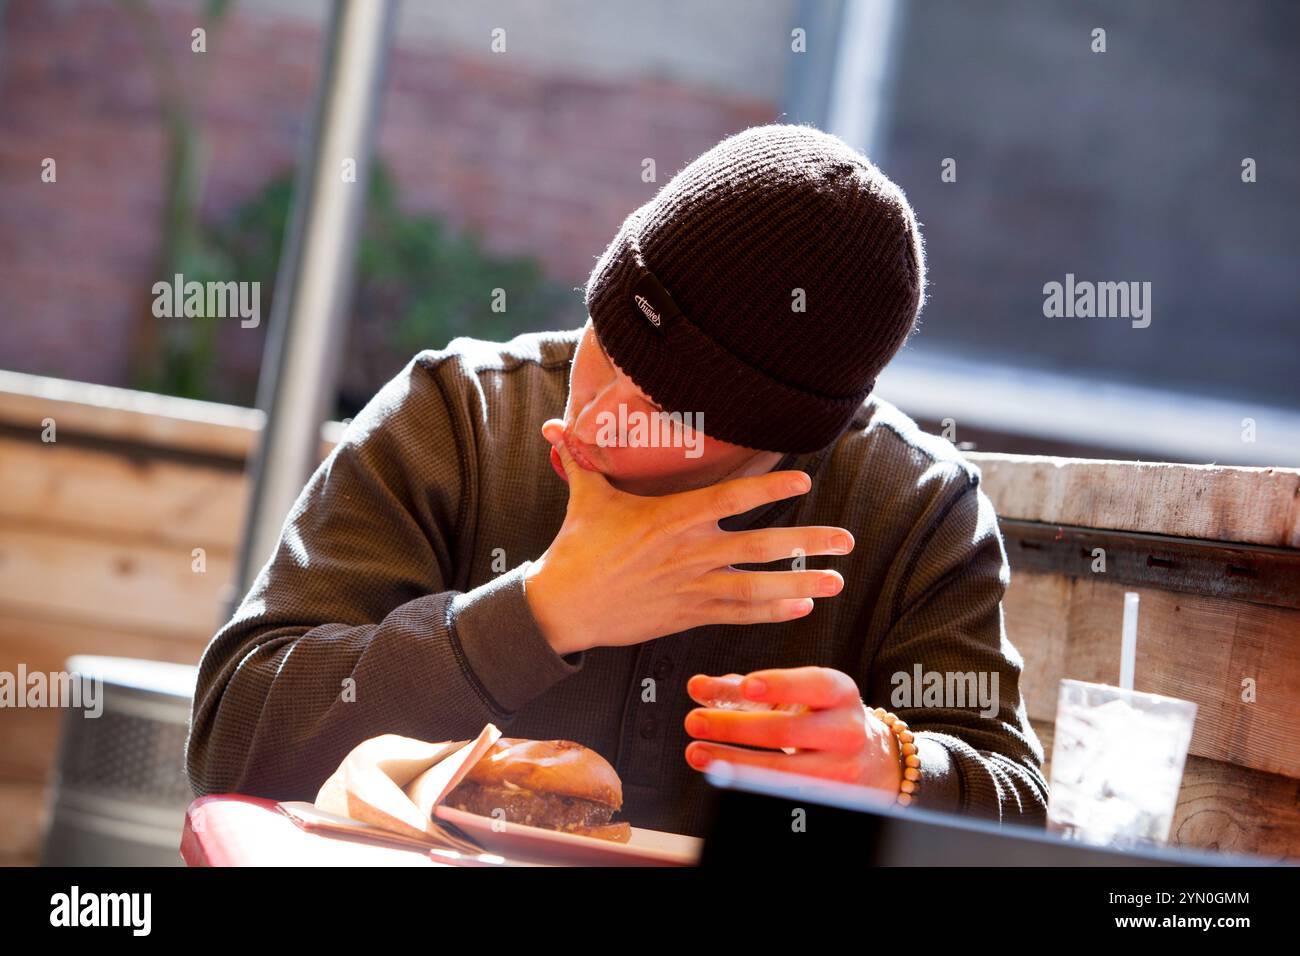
(100, 531)
(1214, 553)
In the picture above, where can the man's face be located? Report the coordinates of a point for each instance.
(597, 387)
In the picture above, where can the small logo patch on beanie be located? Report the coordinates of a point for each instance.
(652, 300)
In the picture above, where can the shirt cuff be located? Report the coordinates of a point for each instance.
(504, 644)
(940, 785)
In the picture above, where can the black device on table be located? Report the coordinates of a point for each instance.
(756, 822)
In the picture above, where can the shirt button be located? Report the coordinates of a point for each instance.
(663, 668)
(648, 727)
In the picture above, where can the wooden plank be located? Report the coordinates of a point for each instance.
(89, 490)
(1230, 570)
(31, 743)
(46, 645)
(180, 423)
(1195, 648)
(119, 585)
(1250, 505)
(1226, 808)
(146, 418)
(22, 824)
(1218, 503)
(1041, 636)
(29, 738)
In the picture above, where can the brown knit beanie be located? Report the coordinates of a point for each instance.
(764, 287)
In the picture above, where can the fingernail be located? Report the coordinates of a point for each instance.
(699, 758)
(828, 586)
(697, 726)
(841, 543)
(755, 688)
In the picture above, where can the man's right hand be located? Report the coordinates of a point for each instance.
(625, 569)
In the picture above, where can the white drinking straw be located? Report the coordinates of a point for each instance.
(1129, 643)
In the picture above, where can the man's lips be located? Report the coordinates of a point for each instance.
(578, 455)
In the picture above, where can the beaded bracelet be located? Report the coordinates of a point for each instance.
(910, 762)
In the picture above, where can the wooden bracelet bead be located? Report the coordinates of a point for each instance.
(909, 760)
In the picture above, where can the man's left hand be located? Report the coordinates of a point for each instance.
(836, 735)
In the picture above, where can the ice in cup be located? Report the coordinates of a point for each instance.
(1117, 764)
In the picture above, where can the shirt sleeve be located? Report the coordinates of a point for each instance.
(352, 628)
(946, 667)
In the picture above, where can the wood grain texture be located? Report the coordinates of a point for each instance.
(1200, 649)
(1217, 503)
(88, 491)
(95, 557)
(22, 824)
(180, 423)
(124, 585)
(29, 737)
(1226, 808)
(143, 418)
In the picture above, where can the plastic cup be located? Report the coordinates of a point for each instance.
(1117, 764)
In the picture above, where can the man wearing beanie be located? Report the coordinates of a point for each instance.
(726, 497)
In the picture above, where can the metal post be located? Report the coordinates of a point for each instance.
(314, 284)
(862, 84)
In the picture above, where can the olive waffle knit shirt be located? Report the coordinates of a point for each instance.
(394, 603)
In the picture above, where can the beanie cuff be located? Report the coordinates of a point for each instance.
(684, 370)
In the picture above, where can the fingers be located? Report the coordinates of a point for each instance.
(579, 477)
(715, 691)
(724, 693)
(818, 687)
(837, 767)
(553, 432)
(763, 545)
(729, 596)
(751, 612)
(729, 584)
(839, 730)
(737, 495)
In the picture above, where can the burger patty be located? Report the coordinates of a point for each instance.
(549, 810)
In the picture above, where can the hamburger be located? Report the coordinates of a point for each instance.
(553, 784)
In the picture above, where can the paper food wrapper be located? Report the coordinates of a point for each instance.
(388, 786)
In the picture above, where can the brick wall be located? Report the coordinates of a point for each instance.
(535, 157)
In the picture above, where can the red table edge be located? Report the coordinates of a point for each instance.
(192, 849)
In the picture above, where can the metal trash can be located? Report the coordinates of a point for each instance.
(118, 791)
